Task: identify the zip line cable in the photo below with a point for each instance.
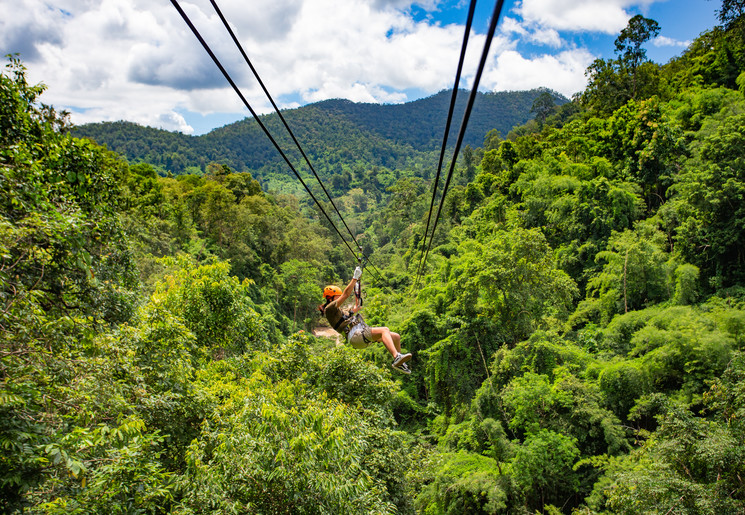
(466, 115)
(466, 34)
(284, 122)
(256, 117)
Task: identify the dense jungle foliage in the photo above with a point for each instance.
(578, 334)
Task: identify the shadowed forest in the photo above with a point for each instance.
(578, 331)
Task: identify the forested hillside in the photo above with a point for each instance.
(578, 332)
(337, 134)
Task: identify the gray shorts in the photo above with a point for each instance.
(360, 336)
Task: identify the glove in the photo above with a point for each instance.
(357, 273)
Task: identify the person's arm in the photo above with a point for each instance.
(357, 305)
(350, 287)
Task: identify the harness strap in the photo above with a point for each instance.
(352, 320)
(358, 286)
(358, 295)
(356, 322)
(339, 322)
(344, 318)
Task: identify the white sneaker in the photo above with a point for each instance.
(401, 359)
(403, 368)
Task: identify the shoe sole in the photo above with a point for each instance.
(403, 360)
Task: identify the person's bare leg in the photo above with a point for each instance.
(396, 340)
(383, 334)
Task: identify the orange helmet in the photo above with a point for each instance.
(331, 291)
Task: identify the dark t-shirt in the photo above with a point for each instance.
(333, 315)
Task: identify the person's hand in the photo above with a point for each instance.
(357, 273)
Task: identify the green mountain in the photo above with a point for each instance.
(334, 133)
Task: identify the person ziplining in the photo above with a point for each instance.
(359, 335)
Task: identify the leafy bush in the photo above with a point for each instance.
(215, 306)
(286, 446)
(465, 483)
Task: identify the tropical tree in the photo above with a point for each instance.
(299, 290)
(543, 469)
(636, 272)
(629, 45)
(710, 205)
(615, 81)
(543, 106)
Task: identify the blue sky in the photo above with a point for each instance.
(680, 20)
(136, 60)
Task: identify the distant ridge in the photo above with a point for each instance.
(334, 133)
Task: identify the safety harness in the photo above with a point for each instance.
(345, 317)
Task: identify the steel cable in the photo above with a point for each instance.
(284, 122)
(466, 115)
(466, 34)
(256, 117)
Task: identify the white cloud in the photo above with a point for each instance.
(24, 33)
(348, 48)
(663, 41)
(531, 32)
(174, 122)
(512, 26)
(264, 21)
(360, 49)
(355, 92)
(606, 16)
(428, 5)
(547, 37)
(563, 72)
